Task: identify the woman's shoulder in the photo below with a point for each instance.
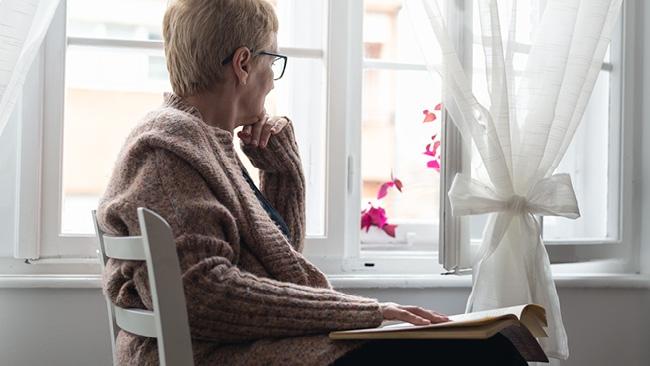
(171, 122)
(173, 132)
(170, 129)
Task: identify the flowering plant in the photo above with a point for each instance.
(433, 148)
(377, 215)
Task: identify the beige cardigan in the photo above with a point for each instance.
(252, 298)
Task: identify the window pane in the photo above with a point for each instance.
(129, 83)
(107, 92)
(387, 33)
(394, 138)
(301, 22)
(122, 19)
(586, 161)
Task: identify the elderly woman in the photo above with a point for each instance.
(252, 298)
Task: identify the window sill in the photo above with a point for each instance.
(562, 280)
(84, 273)
(25, 281)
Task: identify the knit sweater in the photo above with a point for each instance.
(252, 297)
(275, 216)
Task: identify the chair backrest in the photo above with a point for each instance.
(168, 320)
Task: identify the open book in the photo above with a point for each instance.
(520, 324)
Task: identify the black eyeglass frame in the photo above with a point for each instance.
(277, 56)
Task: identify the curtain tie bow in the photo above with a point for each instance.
(517, 204)
(551, 196)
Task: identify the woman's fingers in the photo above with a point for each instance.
(257, 131)
(433, 316)
(412, 314)
(245, 134)
(272, 127)
(267, 130)
(412, 318)
(393, 311)
(280, 123)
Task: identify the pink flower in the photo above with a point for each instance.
(373, 216)
(434, 164)
(428, 116)
(376, 216)
(366, 219)
(390, 229)
(432, 152)
(383, 189)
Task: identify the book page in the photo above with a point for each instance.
(460, 319)
(494, 313)
(482, 331)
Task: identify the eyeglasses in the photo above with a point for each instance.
(278, 64)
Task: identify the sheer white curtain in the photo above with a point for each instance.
(521, 135)
(23, 25)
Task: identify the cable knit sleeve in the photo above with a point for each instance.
(224, 303)
(282, 180)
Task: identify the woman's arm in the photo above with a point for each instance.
(282, 180)
(224, 303)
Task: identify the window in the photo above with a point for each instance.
(593, 158)
(391, 123)
(115, 72)
(397, 88)
(356, 87)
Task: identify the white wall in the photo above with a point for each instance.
(43, 327)
(68, 327)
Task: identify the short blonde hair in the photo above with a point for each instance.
(200, 34)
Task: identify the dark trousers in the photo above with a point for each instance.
(497, 351)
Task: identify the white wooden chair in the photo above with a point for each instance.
(168, 320)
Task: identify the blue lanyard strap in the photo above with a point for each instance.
(275, 215)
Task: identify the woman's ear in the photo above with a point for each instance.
(241, 64)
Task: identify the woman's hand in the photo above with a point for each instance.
(259, 133)
(411, 314)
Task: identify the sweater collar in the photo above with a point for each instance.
(177, 102)
(174, 101)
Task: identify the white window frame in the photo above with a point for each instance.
(338, 251)
(39, 238)
(617, 254)
(621, 173)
